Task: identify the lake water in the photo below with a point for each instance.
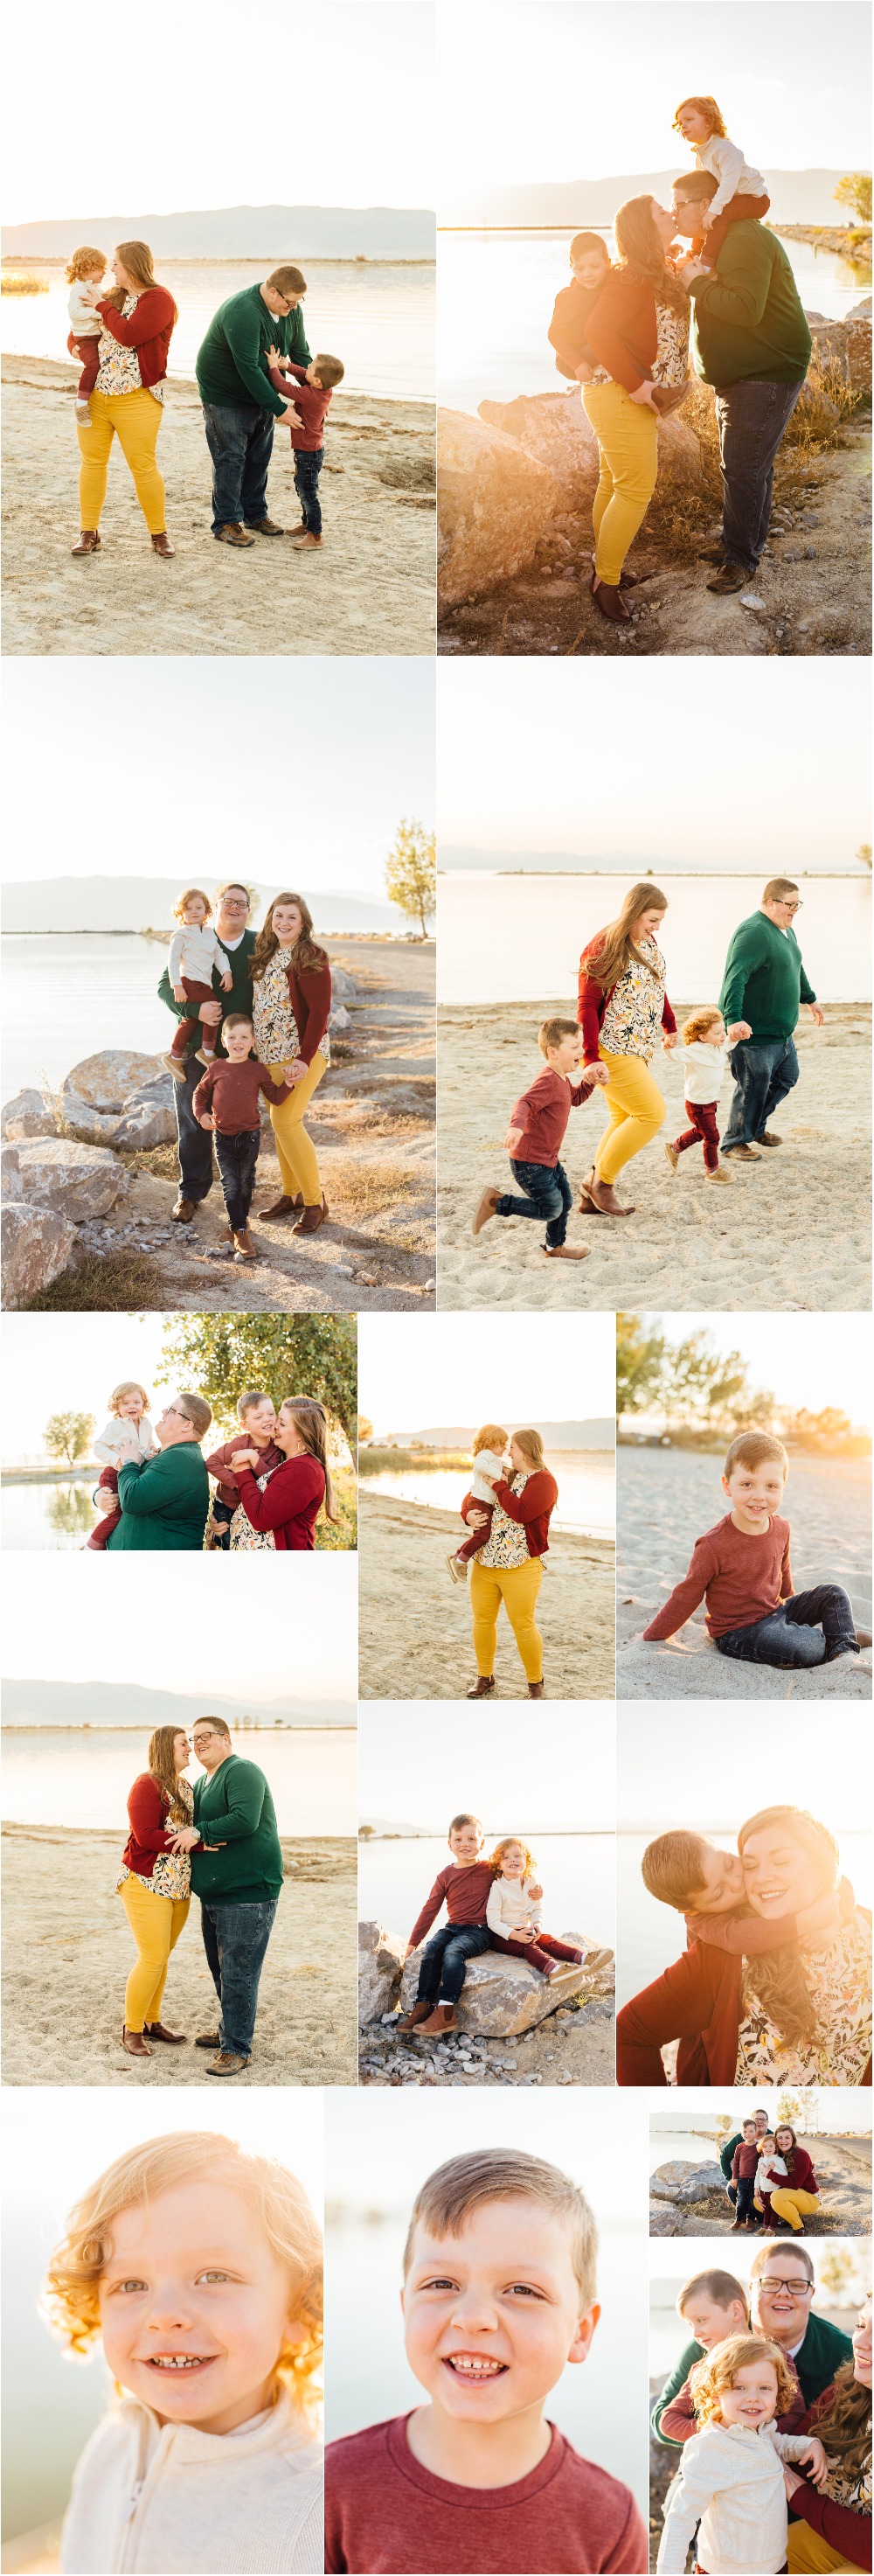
(379, 319)
(71, 1776)
(650, 1935)
(56, 1516)
(494, 307)
(518, 938)
(585, 1479)
(577, 1873)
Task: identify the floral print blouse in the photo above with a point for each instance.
(119, 369)
(672, 362)
(632, 1022)
(839, 1982)
(506, 1544)
(243, 1538)
(277, 1037)
(171, 1875)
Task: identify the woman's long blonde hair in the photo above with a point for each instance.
(532, 1447)
(776, 1981)
(845, 2428)
(642, 256)
(136, 257)
(162, 1767)
(306, 950)
(616, 947)
(312, 1423)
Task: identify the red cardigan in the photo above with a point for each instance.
(623, 330)
(309, 992)
(593, 1000)
(699, 2001)
(148, 330)
(849, 2534)
(533, 1507)
(290, 1503)
(801, 2177)
(149, 1834)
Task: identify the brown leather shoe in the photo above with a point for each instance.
(483, 1686)
(244, 1248)
(278, 1208)
(209, 2039)
(421, 2012)
(769, 1138)
(233, 534)
(441, 2019)
(311, 1219)
(610, 601)
(86, 544)
(183, 1211)
(161, 545)
(134, 2042)
(226, 2064)
(487, 1207)
(744, 1154)
(158, 2030)
(264, 527)
(600, 1196)
(535, 1690)
(566, 1251)
(305, 542)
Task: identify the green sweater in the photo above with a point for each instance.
(749, 322)
(235, 1809)
(238, 999)
(231, 363)
(764, 980)
(820, 2356)
(164, 1502)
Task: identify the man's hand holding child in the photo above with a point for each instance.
(739, 1029)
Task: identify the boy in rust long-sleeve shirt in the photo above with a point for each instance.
(464, 1889)
(310, 391)
(533, 1138)
(741, 1568)
(227, 1100)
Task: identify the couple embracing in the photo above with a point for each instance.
(218, 1841)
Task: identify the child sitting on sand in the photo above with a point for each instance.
(704, 1053)
(730, 2478)
(198, 2266)
(514, 1911)
(534, 1136)
(741, 195)
(195, 953)
(489, 1445)
(464, 1889)
(741, 1568)
(310, 391)
(126, 1440)
(227, 1101)
(84, 273)
(568, 335)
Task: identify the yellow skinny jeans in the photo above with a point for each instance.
(134, 419)
(636, 1112)
(807, 2552)
(156, 1922)
(517, 1586)
(628, 443)
(295, 1149)
(794, 2205)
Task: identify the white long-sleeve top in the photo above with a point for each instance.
(725, 162)
(123, 1443)
(194, 952)
(509, 1906)
(771, 2174)
(703, 1069)
(172, 2501)
(84, 321)
(730, 2479)
(486, 1459)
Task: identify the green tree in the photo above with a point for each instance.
(222, 1355)
(863, 854)
(365, 1428)
(706, 1389)
(411, 873)
(639, 1363)
(69, 1436)
(854, 190)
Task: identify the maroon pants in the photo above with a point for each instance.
(739, 210)
(538, 1953)
(477, 1538)
(89, 351)
(703, 1129)
(102, 1530)
(192, 1028)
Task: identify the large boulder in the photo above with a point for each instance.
(681, 2181)
(78, 1181)
(494, 503)
(343, 985)
(148, 1117)
(555, 432)
(11, 1183)
(842, 350)
(502, 1996)
(105, 1081)
(89, 1126)
(29, 1114)
(380, 1962)
(37, 1243)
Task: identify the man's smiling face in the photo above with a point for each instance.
(493, 2315)
(193, 2306)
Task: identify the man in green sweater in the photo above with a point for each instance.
(195, 1143)
(237, 1872)
(751, 342)
(239, 401)
(765, 984)
(165, 1500)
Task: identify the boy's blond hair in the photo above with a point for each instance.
(751, 1448)
(551, 1032)
(673, 1868)
(82, 262)
(71, 2291)
(455, 1823)
(711, 2378)
(253, 1395)
(193, 894)
(496, 1858)
(448, 2197)
(706, 106)
(489, 1436)
(695, 1026)
(128, 1386)
(719, 2286)
(330, 371)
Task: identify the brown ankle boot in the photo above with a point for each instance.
(421, 2012)
(86, 544)
(441, 2019)
(535, 1690)
(485, 1682)
(311, 1219)
(134, 2042)
(279, 1207)
(243, 1245)
(601, 1196)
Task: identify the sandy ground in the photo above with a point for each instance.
(369, 590)
(843, 2172)
(665, 1498)
(568, 2048)
(66, 1964)
(803, 1210)
(414, 1624)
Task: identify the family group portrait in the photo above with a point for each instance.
(640, 1064)
(797, 2167)
(179, 1879)
(658, 389)
(743, 1939)
(219, 1091)
(486, 1935)
(492, 1535)
(193, 374)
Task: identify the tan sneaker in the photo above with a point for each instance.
(457, 1570)
(225, 2064)
(721, 1174)
(233, 534)
(487, 1207)
(673, 1159)
(173, 1064)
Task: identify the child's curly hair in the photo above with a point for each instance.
(496, 1858)
(718, 2372)
(193, 894)
(706, 107)
(128, 1386)
(698, 1023)
(83, 262)
(71, 2290)
(489, 1436)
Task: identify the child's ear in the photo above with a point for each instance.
(585, 2329)
(725, 1485)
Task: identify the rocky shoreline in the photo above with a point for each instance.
(514, 2027)
(690, 2200)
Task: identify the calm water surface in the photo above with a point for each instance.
(378, 319)
(60, 1515)
(650, 1935)
(577, 1873)
(518, 938)
(73, 1776)
(585, 1480)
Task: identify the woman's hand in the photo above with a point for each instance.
(245, 1457)
(535, 1892)
(296, 1072)
(644, 394)
(596, 1073)
(477, 1520)
(584, 372)
(206, 1121)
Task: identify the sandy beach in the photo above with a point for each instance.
(414, 1630)
(803, 1211)
(370, 590)
(68, 1949)
(664, 1499)
(843, 2171)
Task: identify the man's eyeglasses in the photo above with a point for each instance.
(799, 2289)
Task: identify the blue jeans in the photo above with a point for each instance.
(240, 438)
(764, 1070)
(235, 1939)
(811, 1628)
(751, 418)
(443, 1963)
(195, 1142)
(307, 468)
(548, 1197)
(236, 1157)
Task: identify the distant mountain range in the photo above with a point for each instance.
(129, 1705)
(555, 1435)
(562, 863)
(137, 903)
(797, 197)
(240, 232)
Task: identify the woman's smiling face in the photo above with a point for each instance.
(647, 926)
(862, 2347)
(181, 1749)
(287, 923)
(193, 2306)
(492, 2315)
(780, 1876)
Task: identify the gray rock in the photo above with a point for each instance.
(681, 2181)
(380, 1961)
(339, 1019)
(37, 1246)
(78, 1181)
(661, 2219)
(29, 1114)
(494, 503)
(92, 1126)
(148, 1120)
(502, 1996)
(343, 985)
(12, 1183)
(106, 1080)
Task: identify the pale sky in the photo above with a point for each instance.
(555, 90)
(419, 1371)
(536, 758)
(853, 2112)
(802, 1359)
(70, 1363)
(339, 766)
(662, 1782)
(228, 87)
(377, 2151)
(496, 1779)
(165, 1630)
(669, 2261)
(98, 2126)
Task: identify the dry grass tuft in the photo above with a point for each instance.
(123, 1282)
(18, 282)
(361, 1190)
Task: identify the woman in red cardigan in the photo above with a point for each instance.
(154, 1883)
(291, 1003)
(127, 401)
(288, 1500)
(624, 1012)
(642, 313)
(797, 2196)
(833, 2525)
(509, 1566)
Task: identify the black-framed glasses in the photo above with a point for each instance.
(799, 2289)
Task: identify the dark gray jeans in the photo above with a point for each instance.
(751, 418)
(764, 1070)
(235, 1939)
